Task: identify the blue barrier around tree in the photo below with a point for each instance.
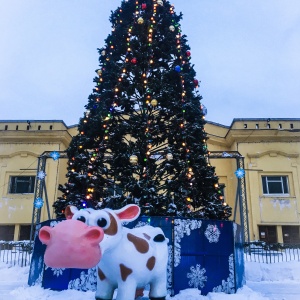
(203, 254)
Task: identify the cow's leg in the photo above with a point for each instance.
(139, 293)
(158, 288)
(105, 290)
(126, 290)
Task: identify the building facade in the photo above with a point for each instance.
(21, 143)
(270, 149)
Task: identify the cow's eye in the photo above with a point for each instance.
(101, 222)
(81, 219)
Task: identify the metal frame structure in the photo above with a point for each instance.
(241, 195)
(40, 190)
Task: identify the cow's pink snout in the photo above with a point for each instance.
(45, 235)
(94, 235)
(72, 244)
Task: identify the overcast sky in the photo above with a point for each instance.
(246, 55)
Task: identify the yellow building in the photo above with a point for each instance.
(269, 149)
(21, 143)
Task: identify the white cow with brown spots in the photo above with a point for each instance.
(131, 258)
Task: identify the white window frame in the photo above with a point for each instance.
(281, 181)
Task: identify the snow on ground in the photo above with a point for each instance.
(280, 281)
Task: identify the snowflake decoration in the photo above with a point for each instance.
(39, 280)
(141, 224)
(38, 202)
(54, 223)
(197, 277)
(36, 271)
(234, 229)
(41, 175)
(212, 233)
(86, 281)
(57, 271)
(227, 286)
(240, 173)
(181, 228)
(55, 155)
(170, 270)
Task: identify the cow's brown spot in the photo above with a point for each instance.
(113, 227)
(140, 244)
(101, 274)
(147, 236)
(151, 263)
(125, 272)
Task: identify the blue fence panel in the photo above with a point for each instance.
(203, 254)
(203, 249)
(37, 260)
(239, 258)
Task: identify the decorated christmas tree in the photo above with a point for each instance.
(142, 138)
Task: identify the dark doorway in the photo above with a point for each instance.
(268, 234)
(290, 234)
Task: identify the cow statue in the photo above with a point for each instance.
(128, 259)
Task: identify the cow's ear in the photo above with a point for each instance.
(128, 213)
(70, 211)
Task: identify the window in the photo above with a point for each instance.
(275, 184)
(24, 232)
(21, 184)
(7, 232)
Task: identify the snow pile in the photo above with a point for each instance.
(258, 276)
(285, 271)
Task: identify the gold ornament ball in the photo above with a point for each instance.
(154, 102)
(140, 20)
(99, 72)
(172, 28)
(133, 159)
(169, 156)
(160, 2)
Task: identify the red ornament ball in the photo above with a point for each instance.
(144, 5)
(188, 53)
(134, 61)
(196, 82)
